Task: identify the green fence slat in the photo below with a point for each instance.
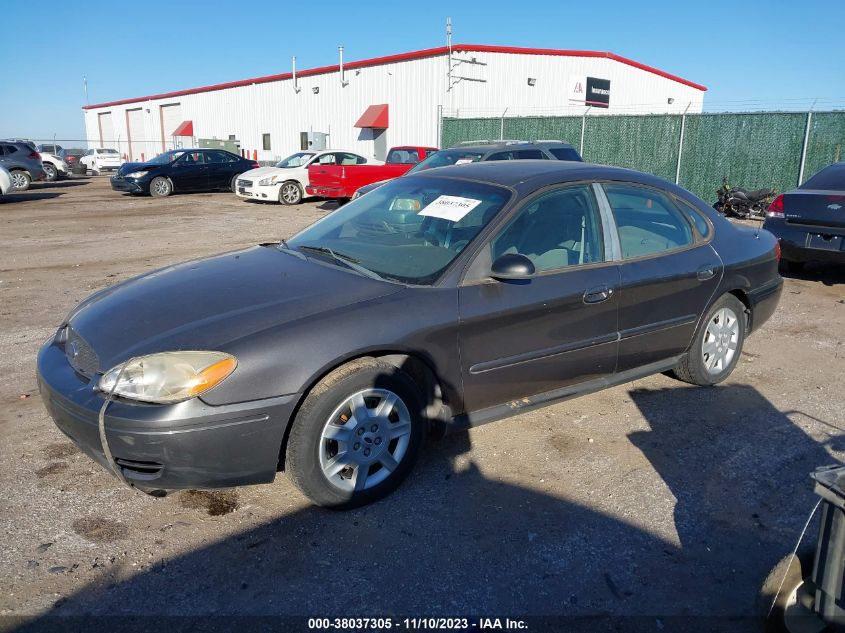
(754, 150)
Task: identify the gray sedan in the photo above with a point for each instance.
(437, 302)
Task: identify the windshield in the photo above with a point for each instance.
(107, 151)
(446, 157)
(164, 159)
(408, 230)
(295, 160)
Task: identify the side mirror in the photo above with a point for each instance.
(512, 266)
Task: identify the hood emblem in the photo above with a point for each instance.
(834, 207)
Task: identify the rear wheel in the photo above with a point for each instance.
(50, 172)
(356, 436)
(160, 187)
(21, 180)
(290, 193)
(717, 345)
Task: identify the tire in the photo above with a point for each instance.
(290, 193)
(234, 184)
(161, 187)
(715, 352)
(51, 174)
(386, 445)
(778, 592)
(791, 267)
(21, 180)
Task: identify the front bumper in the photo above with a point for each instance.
(119, 183)
(188, 444)
(256, 191)
(804, 242)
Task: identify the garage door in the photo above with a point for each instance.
(171, 117)
(106, 130)
(137, 138)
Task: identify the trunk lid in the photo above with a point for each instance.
(815, 207)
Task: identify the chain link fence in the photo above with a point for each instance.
(754, 150)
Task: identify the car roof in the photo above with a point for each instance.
(489, 146)
(537, 173)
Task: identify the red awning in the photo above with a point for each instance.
(374, 116)
(186, 128)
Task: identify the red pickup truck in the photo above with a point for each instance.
(342, 181)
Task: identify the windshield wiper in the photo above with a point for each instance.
(350, 262)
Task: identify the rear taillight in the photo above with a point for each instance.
(776, 208)
(255, 165)
(35, 155)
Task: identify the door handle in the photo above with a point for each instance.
(706, 272)
(597, 294)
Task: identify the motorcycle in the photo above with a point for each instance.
(741, 203)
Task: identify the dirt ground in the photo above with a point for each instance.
(650, 499)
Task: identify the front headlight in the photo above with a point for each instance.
(168, 376)
(137, 174)
(266, 182)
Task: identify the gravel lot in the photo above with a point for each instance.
(653, 498)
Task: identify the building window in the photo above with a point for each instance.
(266, 139)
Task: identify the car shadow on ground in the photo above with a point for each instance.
(452, 541)
(24, 196)
(827, 273)
(330, 205)
(59, 184)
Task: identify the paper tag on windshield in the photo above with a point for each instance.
(452, 208)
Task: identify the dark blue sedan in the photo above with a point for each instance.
(182, 170)
(809, 222)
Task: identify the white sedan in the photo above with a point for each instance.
(285, 182)
(6, 185)
(101, 159)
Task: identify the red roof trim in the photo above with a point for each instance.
(401, 57)
(375, 116)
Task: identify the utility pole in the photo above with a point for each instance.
(85, 84)
(449, 46)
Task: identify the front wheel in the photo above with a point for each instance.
(717, 345)
(356, 436)
(290, 193)
(21, 180)
(50, 172)
(160, 187)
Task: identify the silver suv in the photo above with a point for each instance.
(23, 163)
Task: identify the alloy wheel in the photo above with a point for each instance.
(365, 439)
(18, 180)
(161, 187)
(721, 339)
(290, 193)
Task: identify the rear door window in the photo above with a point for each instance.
(648, 221)
(564, 153)
(529, 154)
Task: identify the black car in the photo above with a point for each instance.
(445, 299)
(809, 221)
(182, 170)
(72, 158)
(478, 151)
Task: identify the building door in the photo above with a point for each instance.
(137, 137)
(171, 117)
(106, 126)
(380, 144)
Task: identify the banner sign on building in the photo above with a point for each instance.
(589, 91)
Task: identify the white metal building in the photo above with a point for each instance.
(370, 105)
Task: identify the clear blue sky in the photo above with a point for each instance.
(751, 55)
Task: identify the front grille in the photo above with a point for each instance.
(138, 467)
(80, 354)
(244, 183)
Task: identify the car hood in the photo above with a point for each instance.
(128, 168)
(262, 172)
(211, 303)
